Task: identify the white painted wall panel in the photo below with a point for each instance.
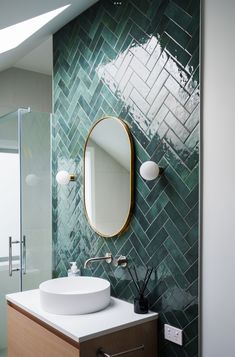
(218, 257)
(21, 88)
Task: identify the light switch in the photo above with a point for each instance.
(173, 334)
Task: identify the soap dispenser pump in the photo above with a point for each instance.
(74, 271)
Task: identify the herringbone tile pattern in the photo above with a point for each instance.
(138, 61)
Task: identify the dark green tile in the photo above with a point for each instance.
(176, 254)
(178, 14)
(176, 218)
(157, 223)
(176, 235)
(192, 347)
(193, 43)
(192, 180)
(178, 52)
(139, 17)
(181, 318)
(176, 273)
(180, 204)
(192, 273)
(163, 231)
(157, 241)
(192, 217)
(178, 34)
(157, 207)
(177, 183)
(191, 330)
(192, 198)
(137, 32)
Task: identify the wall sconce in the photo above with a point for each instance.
(149, 170)
(32, 180)
(63, 177)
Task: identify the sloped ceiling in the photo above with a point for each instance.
(15, 11)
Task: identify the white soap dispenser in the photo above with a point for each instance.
(74, 271)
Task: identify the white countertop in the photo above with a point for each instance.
(118, 315)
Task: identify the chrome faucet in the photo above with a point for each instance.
(108, 258)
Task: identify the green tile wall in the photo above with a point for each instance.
(138, 61)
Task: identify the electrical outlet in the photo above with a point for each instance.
(173, 334)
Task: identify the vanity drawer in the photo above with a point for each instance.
(28, 338)
(127, 339)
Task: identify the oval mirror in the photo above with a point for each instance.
(108, 176)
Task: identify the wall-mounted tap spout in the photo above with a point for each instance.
(108, 258)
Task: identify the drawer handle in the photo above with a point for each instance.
(101, 353)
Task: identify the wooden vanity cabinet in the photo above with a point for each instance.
(28, 336)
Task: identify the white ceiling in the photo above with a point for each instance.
(35, 54)
(40, 59)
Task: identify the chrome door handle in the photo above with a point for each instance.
(24, 254)
(10, 255)
(101, 353)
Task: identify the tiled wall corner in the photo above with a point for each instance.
(138, 61)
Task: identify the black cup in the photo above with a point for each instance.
(141, 305)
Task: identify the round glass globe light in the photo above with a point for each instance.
(31, 180)
(63, 177)
(149, 170)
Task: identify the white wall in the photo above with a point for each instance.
(9, 202)
(21, 88)
(218, 241)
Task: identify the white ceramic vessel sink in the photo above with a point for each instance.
(74, 295)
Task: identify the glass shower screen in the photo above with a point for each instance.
(35, 161)
(25, 205)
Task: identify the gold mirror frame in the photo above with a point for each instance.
(129, 136)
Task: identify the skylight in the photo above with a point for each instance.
(13, 36)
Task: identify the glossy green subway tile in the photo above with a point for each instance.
(132, 38)
(192, 217)
(176, 235)
(180, 204)
(169, 315)
(192, 273)
(157, 256)
(178, 14)
(180, 36)
(177, 164)
(184, 4)
(137, 32)
(193, 43)
(192, 347)
(193, 62)
(154, 194)
(194, 24)
(141, 217)
(181, 317)
(177, 72)
(192, 198)
(192, 253)
(176, 218)
(176, 254)
(176, 182)
(182, 56)
(158, 205)
(192, 159)
(190, 330)
(177, 127)
(176, 273)
(140, 18)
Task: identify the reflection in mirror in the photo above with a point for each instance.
(108, 186)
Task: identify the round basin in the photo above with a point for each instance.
(74, 295)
